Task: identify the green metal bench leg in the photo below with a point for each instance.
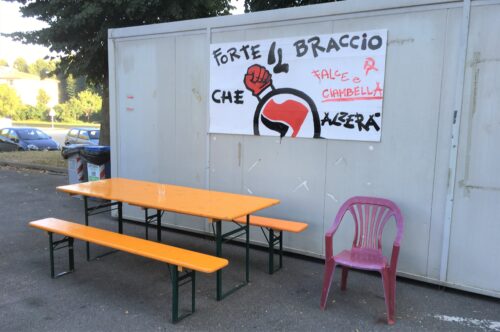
(281, 249)
(272, 240)
(56, 245)
(271, 251)
(175, 295)
(176, 283)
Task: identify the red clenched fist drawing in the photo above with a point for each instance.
(257, 79)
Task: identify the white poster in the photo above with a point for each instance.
(324, 86)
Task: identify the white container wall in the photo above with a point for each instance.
(442, 70)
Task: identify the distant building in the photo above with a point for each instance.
(27, 85)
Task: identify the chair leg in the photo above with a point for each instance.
(327, 282)
(389, 282)
(343, 282)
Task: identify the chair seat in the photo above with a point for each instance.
(362, 258)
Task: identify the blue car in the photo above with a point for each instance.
(28, 138)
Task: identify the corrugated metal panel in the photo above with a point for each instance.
(164, 137)
(474, 245)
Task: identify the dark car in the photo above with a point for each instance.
(82, 136)
(6, 145)
(28, 138)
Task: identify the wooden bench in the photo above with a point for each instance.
(274, 225)
(177, 258)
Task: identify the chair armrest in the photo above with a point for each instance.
(333, 228)
(394, 258)
(329, 238)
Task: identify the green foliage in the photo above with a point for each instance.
(42, 99)
(41, 110)
(3, 62)
(38, 112)
(26, 112)
(90, 103)
(10, 103)
(86, 106)
(68, 111)
(258, 5)
(42, 68)
(70, 87)
(21, 65)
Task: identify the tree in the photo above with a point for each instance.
(21, 65)
(3, 62)
(78, 31)
(40, 111)
(69, 111)
(258, 5)
(10, 102)
(70, 87)
(42, 68)
(91, 103)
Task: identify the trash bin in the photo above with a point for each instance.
(77, 166)
(98, 161)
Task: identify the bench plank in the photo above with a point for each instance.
(161, 252)
(276, 224)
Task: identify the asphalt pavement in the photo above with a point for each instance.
(123, 292)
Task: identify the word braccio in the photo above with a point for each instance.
(314, 44)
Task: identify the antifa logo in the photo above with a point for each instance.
(286, 111)
(280, 117)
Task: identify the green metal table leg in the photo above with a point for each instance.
(218, 253)
(87, 245)
(146, 220)
(71, 254)
(247, 239)
(120, 218)
(158, 225)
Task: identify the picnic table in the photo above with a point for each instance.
(214, 205)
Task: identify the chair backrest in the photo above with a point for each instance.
(370, 215)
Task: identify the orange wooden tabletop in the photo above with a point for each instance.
(165, 197)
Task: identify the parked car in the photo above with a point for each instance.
(6, 145)
(28, 138)
(82, 136)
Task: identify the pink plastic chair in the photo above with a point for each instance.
(370, 215)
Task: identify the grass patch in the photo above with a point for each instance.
(45, 158)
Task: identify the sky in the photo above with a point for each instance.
(11, 20)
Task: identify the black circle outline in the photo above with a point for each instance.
(263, 101)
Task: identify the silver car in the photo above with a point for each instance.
(82, 136)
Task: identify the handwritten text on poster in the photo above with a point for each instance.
(325, 86)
